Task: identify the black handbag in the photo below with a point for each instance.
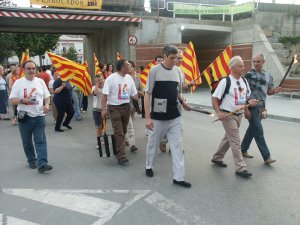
(22, 116)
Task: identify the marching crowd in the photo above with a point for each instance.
(119, 95)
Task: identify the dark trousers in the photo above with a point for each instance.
(84, 103)
(62, 108)
(119, 116)
(143, 107)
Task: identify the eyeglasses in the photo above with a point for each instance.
(239, 85)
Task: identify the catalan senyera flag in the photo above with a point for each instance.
(25, 57)
(190, 66)
(219, 67)
(69, 70)
(97, 68)
(83, 81)
(119, 56)
(145, 73)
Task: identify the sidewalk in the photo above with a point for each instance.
(279, 107)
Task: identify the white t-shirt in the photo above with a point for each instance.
(237, 96)
(119, 89)
(36, 90)
(51, 82)
(97, 99)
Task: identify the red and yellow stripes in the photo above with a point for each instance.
(190, 66)
(219, 67)
(145, 73)
(25, 57)
(68, 70)
(119, 56)
(97, 68)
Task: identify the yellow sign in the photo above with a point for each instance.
(78, 4)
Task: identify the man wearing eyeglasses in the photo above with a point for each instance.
(31, 95)
(235, 102)
(261, 85)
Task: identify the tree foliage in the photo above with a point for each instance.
(37, 44)
(7, 46)
(72, 54)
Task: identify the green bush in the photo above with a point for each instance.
(289, 40)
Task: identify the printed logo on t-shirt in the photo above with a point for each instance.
(31, 95)
(240, 96)
(123, 92)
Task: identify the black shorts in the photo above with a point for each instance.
(97, 119)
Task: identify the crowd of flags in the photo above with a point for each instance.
(79, 74)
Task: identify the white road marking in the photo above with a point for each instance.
(173, 210)
(8, 220)
(78, 202)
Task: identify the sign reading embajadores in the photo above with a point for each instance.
(193, 9)
(78, 4)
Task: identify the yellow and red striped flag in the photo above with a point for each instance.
(68, 70)
(190, 66)
(145, 73)
(25, 57)
(97, 68)
(219, 67)
(119, 56)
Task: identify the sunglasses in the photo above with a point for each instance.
(239, 85)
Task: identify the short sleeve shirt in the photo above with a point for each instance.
(119, 89)
(35, 90)
(237, 95)
(259, 84)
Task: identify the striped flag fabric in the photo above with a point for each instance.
(219, 67)
(190, 66)
(144, 74)
(119, 56)
(68, 70)
(25, 57)
(97, 68)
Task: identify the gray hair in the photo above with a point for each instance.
(170, 49)
(234, 60)
(261, 56)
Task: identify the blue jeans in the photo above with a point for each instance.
(77, 100)
(255, 130)
(34, 126)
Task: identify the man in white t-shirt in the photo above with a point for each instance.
(235, 102)
(117, 90)
(31, 95)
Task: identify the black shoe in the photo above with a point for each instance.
(219, 163)
(182, 183)
(67, 126)
(244, 174)
(32, 165)
(149, 172)
(59, 130)
(133, 148)
(122, 161)
(45, 168)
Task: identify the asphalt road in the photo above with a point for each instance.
(85, 189)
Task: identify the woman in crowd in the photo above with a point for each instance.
(63, 101)
(109, 70)
(3, 96)
(14, 76)
(51, 82)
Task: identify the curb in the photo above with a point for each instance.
(270, 116)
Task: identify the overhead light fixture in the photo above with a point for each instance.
(182, 28)
(147, 6)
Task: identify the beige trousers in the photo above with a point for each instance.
(231, 139)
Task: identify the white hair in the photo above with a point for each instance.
(234, 60)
